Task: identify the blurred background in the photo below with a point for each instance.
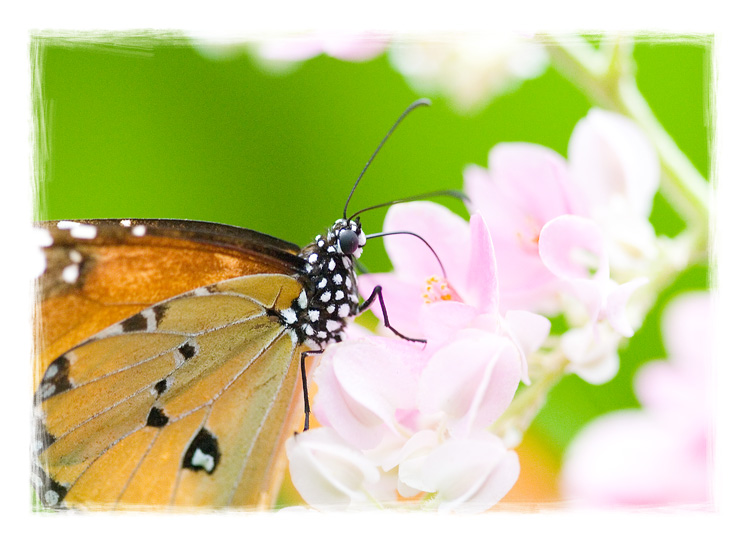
(150, 126)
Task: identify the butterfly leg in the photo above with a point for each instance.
(378, 292)
(304, 385)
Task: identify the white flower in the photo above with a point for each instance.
(469, 69)
(467, 475)
(328, 473)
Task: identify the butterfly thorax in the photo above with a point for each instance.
(330, 294)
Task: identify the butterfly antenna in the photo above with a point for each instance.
(444, 193)
(412, 106)
(378, 235)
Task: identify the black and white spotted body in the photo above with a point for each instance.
(319, 315)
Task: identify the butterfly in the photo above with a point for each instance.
(168, 356)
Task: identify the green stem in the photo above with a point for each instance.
(607, 78)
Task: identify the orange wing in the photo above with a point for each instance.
(102, 271)
(187, 401)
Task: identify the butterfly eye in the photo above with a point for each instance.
(348, 241)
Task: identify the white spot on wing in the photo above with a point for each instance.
(51, 497)
(150, 316)
(331, 265)
(66, 224)
(70, 273)
(139, 230)
(201, 291)
(302, 299)
(47, 390)
(201, 459)
(42, 237)
(309, 329)
(109, 332)
(339, 295)
(326, 297)
(323, 283)
(75, 256)
(313, 258)
(83, 231)
(125, 223)
(314, 315)
(51, 371)
(337, 279)
(344, 310)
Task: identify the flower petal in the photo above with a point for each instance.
(361, 384)
(442, 319)
(403, 301)
(592, 352)
(573, 247)
(609, 155)
(528, 330)
(353, 46)
(482, 288)
(615, 306)
(410, 461)
(471, 380)
(629, 458)
(446, 232)
(328, 473)
(470, 475)
(687, 332)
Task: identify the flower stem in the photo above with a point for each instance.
(607, 77)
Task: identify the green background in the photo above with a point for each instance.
(149, 127)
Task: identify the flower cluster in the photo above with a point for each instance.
(573, 237)
(468, 69)
(547, 237)
(416, 415)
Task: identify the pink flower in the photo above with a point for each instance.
(467, 475)
(364, 385)
(411, 406)
(413, 263)
(525, 186)
(574, 250)
(470, 296)
(345, 46)
(658, 455)
(470, 381)
(611, 159)
(617, 170)
(328, 473)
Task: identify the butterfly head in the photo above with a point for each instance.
(349, 237)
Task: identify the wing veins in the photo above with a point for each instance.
(236, 484)
(137, 467)
(102, 453)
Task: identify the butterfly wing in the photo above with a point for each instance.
(103, 271)
(185, 402)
